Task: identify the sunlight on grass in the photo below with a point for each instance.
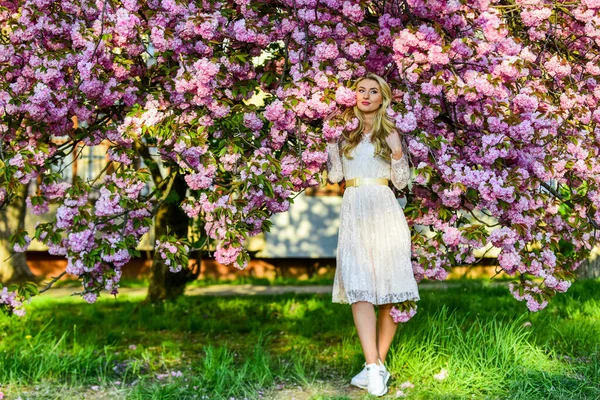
(301, 345)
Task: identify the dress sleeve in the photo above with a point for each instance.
(334, 163)
(400, 173)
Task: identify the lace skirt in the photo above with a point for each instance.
(373, 255)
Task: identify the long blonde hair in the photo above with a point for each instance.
(382, 123)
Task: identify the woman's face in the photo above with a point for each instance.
(368, 96)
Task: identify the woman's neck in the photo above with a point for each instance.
(368, 122)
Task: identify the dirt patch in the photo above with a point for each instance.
(213, 290)
(54, 392)
(320, 391)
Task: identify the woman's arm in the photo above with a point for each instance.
(400, 173)
(334, 163)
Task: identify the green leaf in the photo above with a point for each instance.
(31, 288)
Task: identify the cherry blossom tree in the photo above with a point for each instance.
(497, 100)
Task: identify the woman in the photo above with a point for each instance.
(373, 259)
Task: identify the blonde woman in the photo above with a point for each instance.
(373, 256)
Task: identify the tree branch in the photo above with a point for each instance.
(53, 281)
(559, 196)
(287, 60)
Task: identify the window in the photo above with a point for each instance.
(90, 161)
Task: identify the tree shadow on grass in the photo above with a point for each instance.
(308, 316)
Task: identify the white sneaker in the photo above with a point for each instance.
(386, 373)
(360, 379)
(375, 380)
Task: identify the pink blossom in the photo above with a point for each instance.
(227, 254)
(557, 68)
(80, 241)
(90, 297)
(452, 236)
(289, 164)
(326, 51)
(108, 203)
(525, 103)
(353, 11)
(253, 122)
(534, 17)
(201, 179)
(345, 96)
(504, 237)
(314, 157)
(437, 56)
(406, 123)
(229, 161)
(18, 248)
(55, 190)
(592, 4)
(11, 302)
(549, 257)
(119, 257)
(39, 208)
(355, 50)
(509, 261)
(171, 254)
(562, 286)
(440, 376)
(332, 131)
(407, 385)
(119, 156)
(403, 315)
(274, 111)
(534, 305)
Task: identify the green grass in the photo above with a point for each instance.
(269, 346)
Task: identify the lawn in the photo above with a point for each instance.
(302, 347)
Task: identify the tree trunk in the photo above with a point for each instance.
(13, 266)
(589, 269)
(164, 284)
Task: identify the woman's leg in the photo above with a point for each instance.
(386, 329)
(366, 322)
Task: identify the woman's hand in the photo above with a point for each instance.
(328, 118)
(393, 140)
(332, 115)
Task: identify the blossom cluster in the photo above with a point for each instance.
(10, 303)
(403, 312)
(174, 253)
(99, 239)
(498, 158)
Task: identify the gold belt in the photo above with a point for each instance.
(366, 182)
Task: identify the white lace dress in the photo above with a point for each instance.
(373, 255)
